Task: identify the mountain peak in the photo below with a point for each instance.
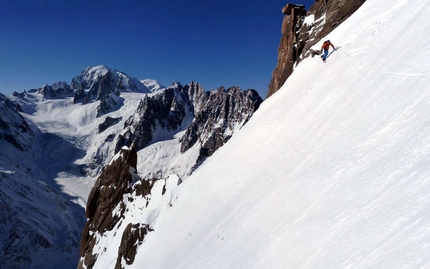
(102, 83)
(98, 70)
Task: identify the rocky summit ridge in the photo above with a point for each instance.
(207, 118)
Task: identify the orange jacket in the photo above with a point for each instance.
(327, 45)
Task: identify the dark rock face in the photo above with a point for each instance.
(132, 236)
(287, 51)
(215, 120)
(13, 127)
(297, 37)
(165, 110)
(106, 105)
(58, 90)
(114, 181)
(117, 185)
(212, 116)
(108, 123)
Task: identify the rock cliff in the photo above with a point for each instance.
(118, 193)
(105, 197)
(299, 34)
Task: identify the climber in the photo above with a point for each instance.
(325, 47)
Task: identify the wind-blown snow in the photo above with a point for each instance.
(309, 20)
(152, 85)
(333, 171)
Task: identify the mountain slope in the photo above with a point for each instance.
(40, 226)
(339, 174)
(53, 146)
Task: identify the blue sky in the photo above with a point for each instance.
(217, 43)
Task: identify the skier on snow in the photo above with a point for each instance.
(325, 47)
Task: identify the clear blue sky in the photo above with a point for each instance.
(217, 43)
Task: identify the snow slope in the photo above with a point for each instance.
(339, 172)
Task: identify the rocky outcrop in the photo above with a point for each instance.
(13, 127)
(165, 110)
(121, 205)
(287, 51)
(301, 30)
(218, 114)
(132, 237)
(108, 123)
(105, 196)
(58, 90)
(112, 196)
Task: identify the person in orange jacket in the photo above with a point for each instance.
(325, 47)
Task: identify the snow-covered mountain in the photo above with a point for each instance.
(97, 81)
(54, 147)
(40, 226)
(332, 171)
(152, 85)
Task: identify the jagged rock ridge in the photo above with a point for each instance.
(301, 30)
(217, 115)
(212, 116)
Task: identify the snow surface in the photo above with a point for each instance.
(333, 171)
(309, 20)
(152, 84)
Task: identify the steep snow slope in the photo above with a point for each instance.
(339, 176)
